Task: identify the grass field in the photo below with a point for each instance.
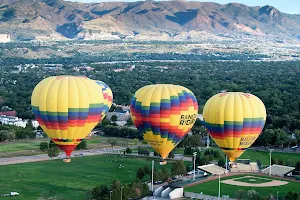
(26, 145)
(69, 181)
(255, 180)
(264, 156)
(211, 187)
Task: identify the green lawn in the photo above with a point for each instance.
(264, 156)
(20, 145)
(254, 180)
(69, 180)
(211, 188)
(26, 145)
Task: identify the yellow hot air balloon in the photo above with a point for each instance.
(164, 114)
(234, 120)
(107, 95)
(67, 109)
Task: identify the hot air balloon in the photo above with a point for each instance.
(67, 109)
(108, 97)
(234, 120)
(164, 114)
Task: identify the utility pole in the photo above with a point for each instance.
(194, 154)
(226, 165)
(110, 195)
(270, 171)
(219, 194)
(207, 141)
(121, 192)
(152, 178)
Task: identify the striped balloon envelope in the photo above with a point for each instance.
(164, 114)
(234, 120)
(107, 95)
(67, 109)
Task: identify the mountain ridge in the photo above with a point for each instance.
(60, 20)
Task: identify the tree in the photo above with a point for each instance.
(52, 144)
(292, 196)
(29, 125)
(100, 192)
(221, 162)
(178, 168)
(297, 134)
(259, 163)
(200, 160)
(165, 174)
(252, 195)
(209, 158)
(118, 109)
(188, 151)
(53, 152)
(156, 176)
(290, 163)
(280, 161)
(267, 137)
(128, 150)
(199, 130)
(82, 145)
(24, 133)
(113, 142)
(156, 154)
(192, 141)
(105, 122)
(297, 167)
(114, 118)
(147, 170)
(143, 151)
(6, 135)
(44, 146)
(140, 173)
(281, 138)
(129, 122)
(171, 155)
(135, 141)
(112, 108)
(240, 194)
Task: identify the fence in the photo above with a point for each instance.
(204, 196)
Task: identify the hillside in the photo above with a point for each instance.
(59, 20)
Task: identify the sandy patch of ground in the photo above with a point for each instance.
(235, 181)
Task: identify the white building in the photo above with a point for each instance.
(10, 120)
(4, 38)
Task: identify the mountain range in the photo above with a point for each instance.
(161, 20)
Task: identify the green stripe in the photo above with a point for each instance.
(256, 119)
(174, 97)
(95, 105)
(154, 104)
(145, 107)
(78, 109)
(165, 101)
(36, 108)
(233, 123)
(54, 113)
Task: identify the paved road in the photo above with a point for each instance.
(284, 150)
(42, 157)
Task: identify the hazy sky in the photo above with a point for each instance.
(287, 6)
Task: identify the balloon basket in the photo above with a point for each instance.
(163, 162)
(67, 160)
